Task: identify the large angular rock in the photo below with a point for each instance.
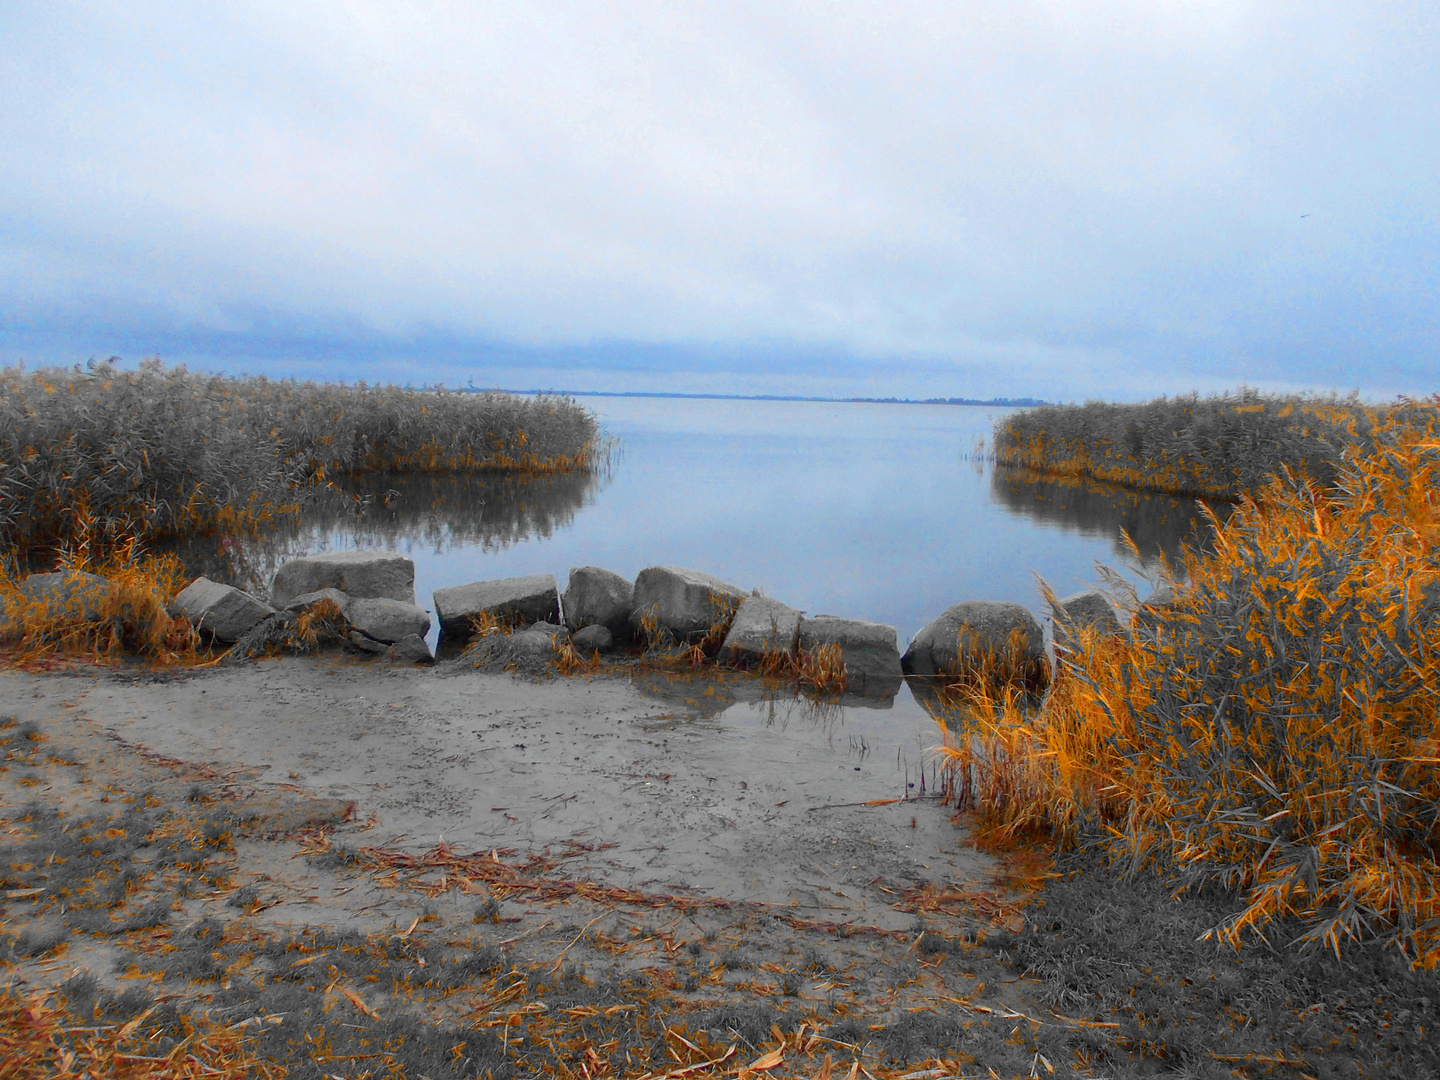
(940, 649)
(1093, 607)
(868, 648)
(68, 593)
(687, 603)
(223, 611)
(596, 597)
(529, 599)
(387, 621)
(384, 575)
(761, 625)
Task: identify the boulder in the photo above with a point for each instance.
(387, 620)
(528, 599)
(1093, 607)
(592, 639)
(867, 648)
(223, 611)
(305, 600)
(938, 649)
(72, 593)
(596, 597)
(687, 603)
(410, 649)
(761, 625)
(535, 642)
(382, 575)
(367, 644)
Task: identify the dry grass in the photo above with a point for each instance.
(821, 669)
(41, 1039)
(1275, 734)
(127, 618)
(1218, 447)
(162, 452)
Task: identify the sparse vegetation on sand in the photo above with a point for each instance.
(162, 452)
(1218, 447)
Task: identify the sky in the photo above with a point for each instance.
(1064, 199)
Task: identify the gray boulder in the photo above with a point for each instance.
(367, 644)
(387, 620)
(592, 639)
(410, 649)
(938, 649)
(305, 600)
(761, 625)
(223, 611)
(684, 602)
(868, 648)
(528, 599)
(536, 642)
(596, 597)
(70, 593)
(385, 575)
(1093, 607)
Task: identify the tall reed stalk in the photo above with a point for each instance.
(1276, 732)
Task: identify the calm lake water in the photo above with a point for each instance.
(882, 512)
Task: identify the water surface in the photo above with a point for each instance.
(883, 512)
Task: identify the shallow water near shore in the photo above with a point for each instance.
(883, 512)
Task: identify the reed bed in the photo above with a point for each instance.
(162, 452)
(1220, 447)
(1274, 734)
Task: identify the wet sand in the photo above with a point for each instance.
(632, 829)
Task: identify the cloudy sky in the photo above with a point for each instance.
(1063, 199)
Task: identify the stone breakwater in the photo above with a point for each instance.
(374, 593)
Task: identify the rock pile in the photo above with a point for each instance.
(373, 592)
(370, 598)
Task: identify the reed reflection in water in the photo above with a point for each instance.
(1160, 525)
(402, 512)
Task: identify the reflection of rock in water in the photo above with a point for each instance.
(385, 510)
(710, 693)
(1159, 524)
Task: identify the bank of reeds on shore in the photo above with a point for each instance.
(1223, 446)
(1276, 733)
(107, 454)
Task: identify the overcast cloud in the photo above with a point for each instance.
(1063, 199)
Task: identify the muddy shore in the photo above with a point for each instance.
(627, 829)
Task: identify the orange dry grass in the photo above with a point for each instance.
(822, 667)
(1276, 733)
(41, 1040)
(131, 614)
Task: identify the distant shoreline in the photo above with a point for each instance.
(1018, 403)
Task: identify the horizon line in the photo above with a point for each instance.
(1025, 402)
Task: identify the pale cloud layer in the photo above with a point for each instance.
(1054, 198)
